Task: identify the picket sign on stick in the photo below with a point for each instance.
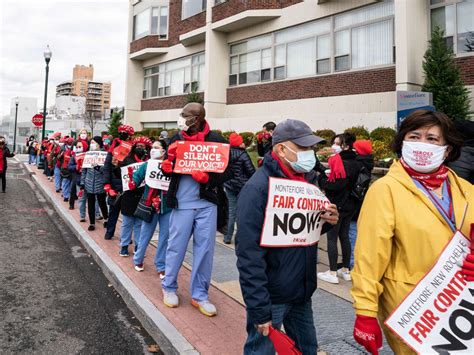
(154, 176)
(126, 178)
(204, 156)
(122, 150)
(293, 214)
(94, 158)
(437, 317)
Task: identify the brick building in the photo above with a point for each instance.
(97, 93)
(332, 63)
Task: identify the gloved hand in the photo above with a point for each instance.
(167, 167)
(172, 151)
(109, 190)
(156, 203)
(468, 264)
(200, 176)
(131, 184)
(81, 192)
(367, 332)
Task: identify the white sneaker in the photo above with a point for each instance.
(170, 299)
(345, 274)
(328, 276)
(205, 307)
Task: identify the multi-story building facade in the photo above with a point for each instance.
(332, 63)
(97, 93)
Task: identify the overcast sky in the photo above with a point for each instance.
(77, 31)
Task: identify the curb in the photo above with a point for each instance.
(170, 340)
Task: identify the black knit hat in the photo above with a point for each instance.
(98, 140)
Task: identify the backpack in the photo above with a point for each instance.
(361, 185)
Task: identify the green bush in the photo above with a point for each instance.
(327, 134)
(226, 134)
(384, 134)
(382, 150)
(248, 138)
(359, 131)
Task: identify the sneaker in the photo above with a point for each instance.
(82, 220)
(108, 237)
(227, 241)
(170, 299)
(66, 199)
(205, 307)
(91, 227)
(161, 274)
(124, 251)
(328, 276)
(100, 218)
(139, 267)
(344, 273)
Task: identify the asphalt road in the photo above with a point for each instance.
(54, 298)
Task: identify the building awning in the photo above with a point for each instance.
(148, 53)
(246, 19)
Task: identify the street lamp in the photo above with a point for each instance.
(16, 117)
(47, 57)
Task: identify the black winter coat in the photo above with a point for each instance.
(112, 174)
(130, 198)
(207, 191)
(6, 154)
(264, 148)
(242, 169)
(339, 191)
(270, 275)
(368, 162)
(464, 166)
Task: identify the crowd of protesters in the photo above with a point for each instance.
(413, 199)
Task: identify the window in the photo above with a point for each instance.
(165, 125)
(192, 7)
(217, 2)
(361, 38)
(456, 19)
(176, 77)
(152, 21)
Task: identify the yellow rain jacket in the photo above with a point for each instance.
(400, 236)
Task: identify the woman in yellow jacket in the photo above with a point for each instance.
(406, 220)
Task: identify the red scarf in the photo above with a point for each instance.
(430, 181)
(286, 171)
(337, 168)
(2, 152)
(199, 136)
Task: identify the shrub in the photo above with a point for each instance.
(248, 138)
(359, 131)
(382, 150)
(327, 134)
(384, 134)
(226, 134)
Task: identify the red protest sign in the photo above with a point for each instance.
(122, 150)
(204, 156)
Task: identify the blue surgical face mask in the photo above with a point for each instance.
(305, 161)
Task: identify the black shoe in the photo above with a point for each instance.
(66, 199)
(108, 237)
(227, 241)
(57, 191)
(71, 207)
(82, 220)
(100, 218)
(91, 227)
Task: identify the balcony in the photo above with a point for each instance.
(192, 37)
(245, 19)
(148, 47)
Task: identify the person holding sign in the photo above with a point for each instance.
(280, 217)
(195, 201)
(92, 181)
(406, 220)
(155, 195)
(130, 198)
(125, 134)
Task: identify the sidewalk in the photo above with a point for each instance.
(184, 330)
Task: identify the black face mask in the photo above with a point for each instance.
(140, 152)
(123, 136)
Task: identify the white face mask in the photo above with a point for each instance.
(156, 153)
(83, 136)
(423, 157)
(57, 142)
(182, 124)
(94, 146)
(77, 150)
(336, 148)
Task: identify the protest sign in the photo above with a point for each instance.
(126, 178)
(79, 157)
(204, 156)
(121, 151)
(94, 158)
(437, 317)
(293, 214)
(154, 176)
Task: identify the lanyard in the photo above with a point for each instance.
(445, 213)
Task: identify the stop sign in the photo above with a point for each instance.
(37, 120)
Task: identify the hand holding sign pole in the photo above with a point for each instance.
(468, 264)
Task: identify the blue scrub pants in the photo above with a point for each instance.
(130, 224)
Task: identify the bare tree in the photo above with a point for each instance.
(91, 117)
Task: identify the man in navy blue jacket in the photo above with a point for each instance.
(278, 282)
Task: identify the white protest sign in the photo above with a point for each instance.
(94, 158)
(437, 317)
(154, 176)
(293, 214)
(126, 178)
